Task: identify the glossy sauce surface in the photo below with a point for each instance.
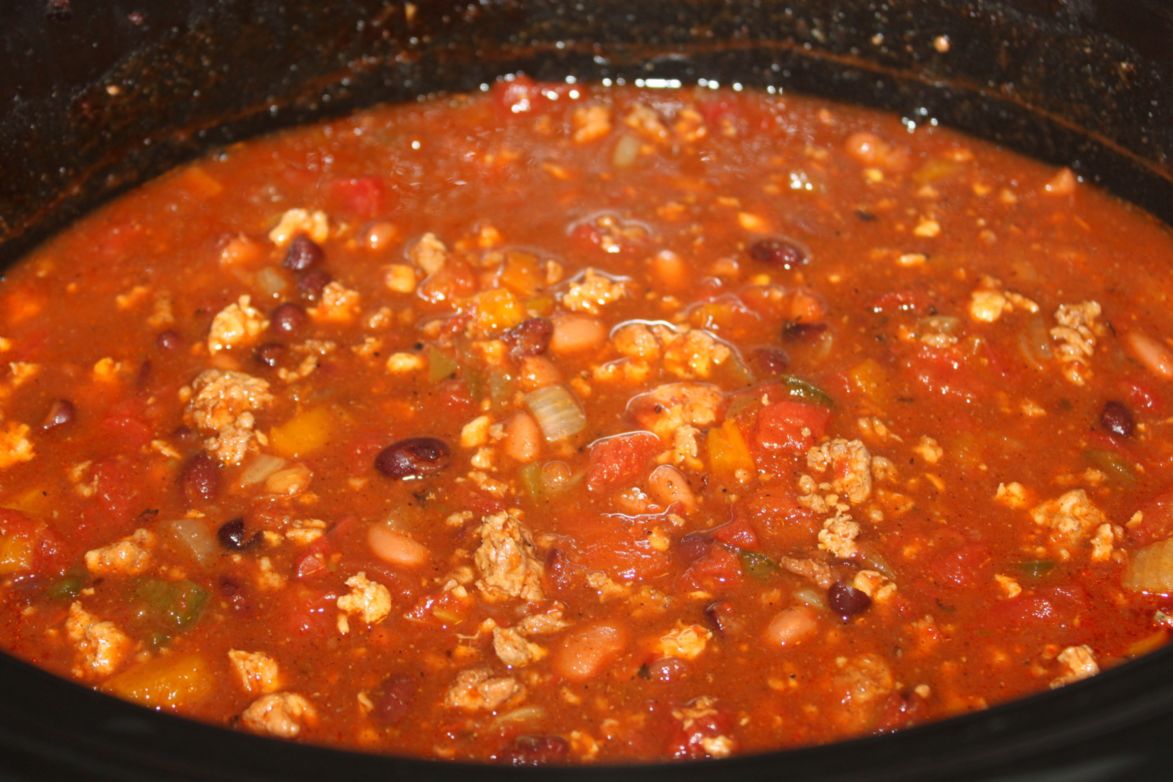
(559, 424)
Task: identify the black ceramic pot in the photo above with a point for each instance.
(98, 96)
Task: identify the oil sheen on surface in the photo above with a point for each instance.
(558, 424)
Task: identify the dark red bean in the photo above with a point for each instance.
(770, 361)
(393, 698)
(536, 751)
(792, 332)
(558, 570)
(412, 458)
(200, 479)
(303, 253)
(311, 284)
(269, 354)
(667, 669)
(530, 337)
(719, 615)
(1117, 419)
(233, 593)
(778, 252)
(846, 600)
(288, 318)
(167, 340)
(61, 413)
(694, 545)
(234, 537)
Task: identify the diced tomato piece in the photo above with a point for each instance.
(1044, 611)
(116, 488)
(1156, 520)
(689, 742)
(619, 547)
(308, 611)
(126, 428)
(965, 567)
(620, 458)
(718, 567)
(454, 396)
(365, 197)
(774, 512)
(738, 533)
(790, 426)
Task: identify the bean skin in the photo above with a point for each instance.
(233, 536)
(303, 253)
(529, 750)
(200, 479)
(288, 318)
(269, 354)
(530, 337)
(1117, 419)
(393, 698)
(778, 252)
(412, 458)
(312, 283)
(846, 600)
(61, 413)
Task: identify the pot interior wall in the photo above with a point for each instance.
(104, 96)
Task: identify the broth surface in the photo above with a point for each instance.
(562, 424)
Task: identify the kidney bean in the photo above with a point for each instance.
(233, 593)
(233, 536)
(61, 412)
(778, 252)
(200, 479)
(288, 318)
(269, 354)
(303, 253)
(412, 458)
(694, 545)
(167, 340)
(530, 337)
(393, 698)
(846, 600)
(1117, 419)
(722, 617)
(664, 670)
(311, 284)
(536, 751)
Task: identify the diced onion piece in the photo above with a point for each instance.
(1151, 569)
(1034, 343)
(556, 411)
(395, 548)
(1157, 358)
(193, 536)
(811, 598)
(518, 716)
(260, 468)
(270, 281)
(626, 151)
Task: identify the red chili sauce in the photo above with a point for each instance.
(562, 424)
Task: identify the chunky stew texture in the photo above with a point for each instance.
(568, 424)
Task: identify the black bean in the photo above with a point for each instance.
(303, 253)
(200, 479)
(793, 330)
(770, 361)
(167, 340)
(722, 617)
(536, 751)
(664, 670)
(393, 699)
(530, 337)
(288, 318)
(61, 412)
(778, 252)
(1117, 419)
(269, 354)
(414, 457)
(233, 536)
(846, 600)
(311, 284)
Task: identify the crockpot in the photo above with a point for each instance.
(99, 96)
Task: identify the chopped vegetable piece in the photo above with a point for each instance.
(758, 565)
(176, 605)
(556, 411)
(806, 391)
(167, 681)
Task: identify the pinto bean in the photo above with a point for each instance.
(668, 486)
(791, 626)
(538, 372)
(523, 438)
(395, 548)
(584, 652)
